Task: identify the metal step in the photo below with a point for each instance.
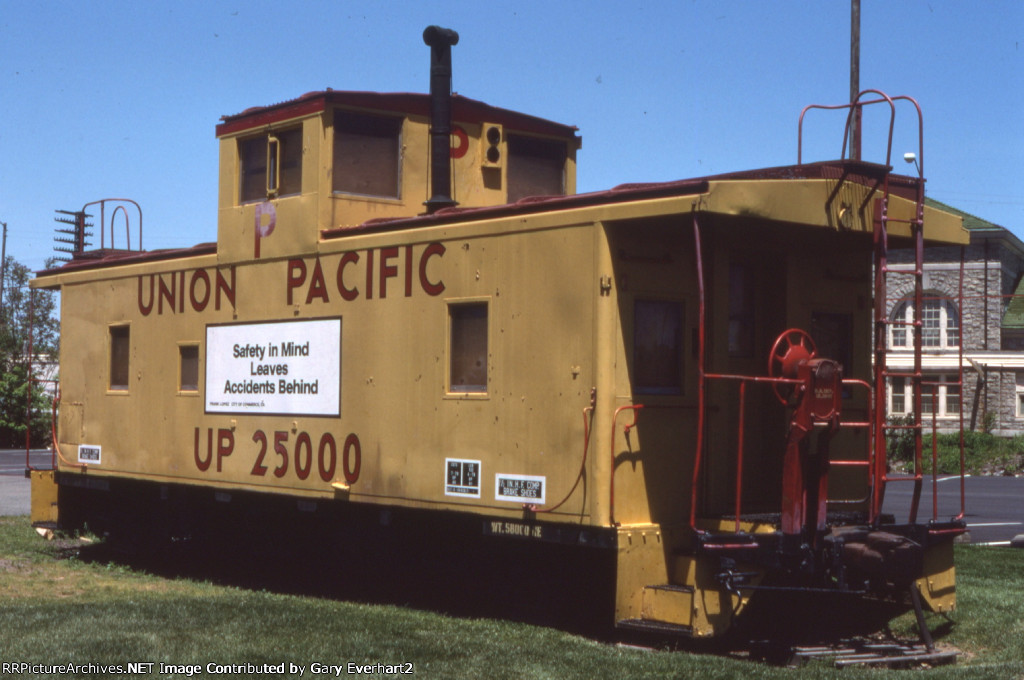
(655, 627)
(667, 603)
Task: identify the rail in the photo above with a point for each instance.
(743, 380)
(884, 374)
(875, 461)
(119, 208)
(588, 415)
(858, 104)
(635, 408)
(918, 475)
(75, 239)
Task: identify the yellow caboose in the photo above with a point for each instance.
(408, 306)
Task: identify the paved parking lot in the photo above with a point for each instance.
(14, 487)
(14, 496)
(994, 511)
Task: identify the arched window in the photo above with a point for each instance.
(940, 325)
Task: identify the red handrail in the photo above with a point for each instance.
(635, 408)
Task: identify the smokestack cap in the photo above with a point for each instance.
(436, 36)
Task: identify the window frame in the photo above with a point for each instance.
(378, 119)
(742, 320)
(119, 352)
(679, 351)
(940, 383)
(947, 324)
(898, 387)
(275, 145)
(469, 390)
(182, 389)
(536, 148)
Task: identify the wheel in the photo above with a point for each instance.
(791, 348)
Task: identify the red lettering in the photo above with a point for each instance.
(408, 271)
(169, 290)
(144, 307)
(202, 464)
(387, 271)
(263, 230)
(327, 455)
(353, 456)
(327, 445)
(225, 445)
(199, 304)
(166, 293)
(224, 288)
(279, 448)
(381, 264)
(347, 294)
(428, 286)
(369, 274)
(296, 276)
(303, 442)
(317, 287)
(459, 135)
(181, 292)
(258, 468)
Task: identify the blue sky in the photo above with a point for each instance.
(120, 99)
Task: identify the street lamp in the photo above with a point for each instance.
(911, 157)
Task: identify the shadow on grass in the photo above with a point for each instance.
(449, 567)
(407, 563)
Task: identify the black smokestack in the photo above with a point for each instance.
(440, 41)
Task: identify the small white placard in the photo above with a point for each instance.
(519, 488)
(462, 477)
(285, 368)
(90, 454)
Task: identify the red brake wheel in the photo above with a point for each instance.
(791, 348)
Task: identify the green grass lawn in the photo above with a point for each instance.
(56, 608)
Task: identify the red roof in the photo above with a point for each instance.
(464, 110)
(871, 174)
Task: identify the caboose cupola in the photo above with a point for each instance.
(331, 159)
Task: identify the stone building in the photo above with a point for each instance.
(989, 325)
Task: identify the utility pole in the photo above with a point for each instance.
(855, 119)
(3, 274)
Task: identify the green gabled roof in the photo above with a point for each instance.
(1014, 316)
(971, 222)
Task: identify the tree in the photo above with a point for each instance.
(29, 338)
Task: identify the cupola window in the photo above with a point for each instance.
(271, 165)
(367, 150)
(536, 167)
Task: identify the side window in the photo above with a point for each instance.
(536, 167)
(741, 310)
(940, 325)
(188, 368)
(120, 351)
(467, 353)
(657, 347)
(833, 336)
(270, 165)
(366, 154)
(898, 398)
(940, 396)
